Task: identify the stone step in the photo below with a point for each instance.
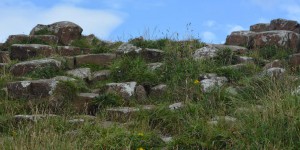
(25, 67)
(31, 39)
(25, 51)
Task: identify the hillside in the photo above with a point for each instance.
(64, 90)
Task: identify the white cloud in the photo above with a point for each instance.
(17, 20)
(208, 37)
(209, 23)
(234, 28)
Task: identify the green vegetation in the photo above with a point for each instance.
(266, 113)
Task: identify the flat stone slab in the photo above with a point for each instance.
(234, 48)
(125, 90)
(25, 67)
(81, 73)
(35, 89)
(68, 50)
(32, 118)
(121, 114)
(25, 51)
(100, 75)
(96, 59)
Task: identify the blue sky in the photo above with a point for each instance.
(210, 21)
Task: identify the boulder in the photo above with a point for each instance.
(205, 52)
(154, 66)
(25, 67)
(236, 49)
(82, 103)
(294, 60)
(274, 63)
(240, 38)
(279, 38)
(176, 106)
(26, 51)
(81, 73)
(68, 50)
(150, 55)
(96, 59)
(121, 114)
(274, 72)
(32, 39)
(283, 24)
(244, 59)
(100, 75)
(210, 81)
(36, 89)
(4, 57)
(125, 90)
(32, 118)
(66, 31)
(140, 93)
(260, 27)
(158, 90)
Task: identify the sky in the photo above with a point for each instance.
(114, 20)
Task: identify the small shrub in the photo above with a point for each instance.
(273, 52)
(225, 57)
(82, 43)
(156, 44)
(108, 100)
(45, 73)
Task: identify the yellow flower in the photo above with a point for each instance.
(196, 81)
(140, 134)
(140, 148)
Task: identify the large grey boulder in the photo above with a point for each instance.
(66, 31)
(283, 24)
(25, 67)
(205, 52)
(81, 73)
(26, 51)
(36, 89)
(125, 90)
(211, 81)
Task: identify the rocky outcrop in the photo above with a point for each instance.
(25, 67)
(36, 89)
(205, 53)
(283, 24)
(211, 81)
(260, 27)
(28, 39)
(279, 38)
(125, 90)
(68, 50)
(66, 31)
(96, 59)
(26, 51)
(240, 38)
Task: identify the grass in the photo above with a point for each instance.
(266, 111)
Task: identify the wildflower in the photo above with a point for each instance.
(196, 81)
(140, 148)
(140, 134)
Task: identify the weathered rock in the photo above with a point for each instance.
(158, 91)
(68, 50)
(294, 60)
(176, 106)
(63, 78)
(66, 31)
(100, 75)
(83, 103)
(36, 89)
(276, 63)
(274, 72)
(226, 119)
(81, 73)
(166, 139)
(96, 59)
(76, 121)
(25, 67)
(126, 48)
(244, 59)
(279, 38)
(240, 38)
(121, 114)
(211, 81)
(154, 66)
(140, 93)
(70, 62)
(125, 90)
(260, 27)
(32, 39)
(26, 51)
(283, 24)
(4, 57)
(205, 52)
(150, 55)
(32, 118)
(236, 49)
